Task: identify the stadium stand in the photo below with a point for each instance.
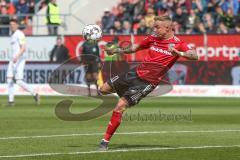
(190, 16)
(135, 16)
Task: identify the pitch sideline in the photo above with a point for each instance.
(119, 133)
(119, 150)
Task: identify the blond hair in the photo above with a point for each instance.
(162, 18)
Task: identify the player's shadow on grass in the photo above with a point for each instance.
(74, 146)
(125, 146)
(129, 146)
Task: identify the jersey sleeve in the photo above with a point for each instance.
(183, 47)
(21, 38)
(145, 43)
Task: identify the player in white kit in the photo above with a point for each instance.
(17, 63)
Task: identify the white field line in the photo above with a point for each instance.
(123, 133)
(119, 150)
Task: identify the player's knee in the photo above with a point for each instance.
(19, 81)
(105, 89)
(102, 90)
(88, 80)
(95, 76)
(10, 81)
(121, 106)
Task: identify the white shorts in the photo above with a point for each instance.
(16, 70)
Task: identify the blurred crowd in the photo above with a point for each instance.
(16, 9)
(22, 10)
(189, 16)
(13, 9)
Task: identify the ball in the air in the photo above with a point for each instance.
(92, 32)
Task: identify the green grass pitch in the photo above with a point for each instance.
(208, 129)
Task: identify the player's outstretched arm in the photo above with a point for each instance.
(190, 54)
(118, 50)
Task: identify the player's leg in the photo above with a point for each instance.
(119, 84)
(115, 84)
(106, 89)
(114, 122)
(25, 86)
(88, 76)
(94, 71)
(10, 91)
(131, 89)
(88, 81)
(10, 84)
(95, 79)
(19, 80)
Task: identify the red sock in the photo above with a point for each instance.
(113, 125)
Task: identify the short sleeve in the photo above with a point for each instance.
(21, 38)
(145, 43)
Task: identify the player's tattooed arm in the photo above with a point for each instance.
(121, 50)
(129, 50)
(190, 54)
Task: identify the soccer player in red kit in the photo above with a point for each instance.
(164, 50)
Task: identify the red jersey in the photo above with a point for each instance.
(159, 60)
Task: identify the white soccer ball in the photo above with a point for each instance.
(92, 32)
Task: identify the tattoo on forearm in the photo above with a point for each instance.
(128, 50)
(124, 50)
